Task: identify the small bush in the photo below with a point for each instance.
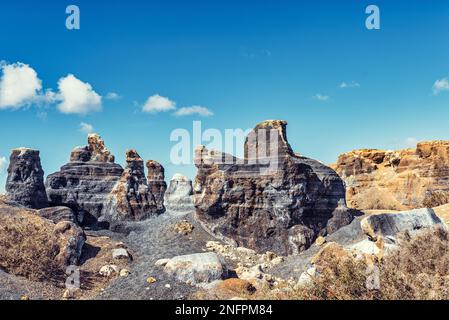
(436, 198)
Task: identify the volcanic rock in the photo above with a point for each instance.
(57, 214)
(179, 195)
(396, 180)
(132, 198)
(25, 182)
(157, 184)
(84, 184)
(273, 199)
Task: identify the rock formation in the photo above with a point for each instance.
(131, 198)
(25, 182)
(156, 183)
(179, 195)
(396, 180)
(84, 184)
(273, 199)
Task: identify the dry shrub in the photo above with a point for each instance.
(26, 247)
(419, 270)
(436, 198)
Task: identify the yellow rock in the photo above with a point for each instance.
(24, 298)
(320, 241)
(151, 280)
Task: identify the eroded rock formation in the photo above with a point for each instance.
(156, 183)
(84, 184)
(132, 198)
(25, 182)
(396, 180)
(273, 199)
(179, 195)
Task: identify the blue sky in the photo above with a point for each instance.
(245, 61)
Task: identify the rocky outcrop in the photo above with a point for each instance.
(396, 180)
(273, 199)
(179, 195)
(25, 182)
(132, 197)
(57, 214)
(84, 184)
(157, 184)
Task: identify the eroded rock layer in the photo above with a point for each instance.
(84, 184)
(25, 182)
(272, 199)
(156, 183)
(397, 180)
(179, 195)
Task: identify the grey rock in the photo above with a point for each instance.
(25, 182)
(390, 224)
(120, 254)
(179, 195)
(57, 214)
(196, 269)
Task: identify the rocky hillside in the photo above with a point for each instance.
(396, 180)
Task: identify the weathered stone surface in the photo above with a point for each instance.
(57, 214)
(25, 182)
(156, 183)
(70, 239)
(273, 200)
(179, 195)
(85, 183)
(131, 198)
(196, 269)
(390, 224)
(396, 180)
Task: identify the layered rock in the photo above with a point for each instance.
(84, 184)
(132, 198)
(273, 199)
(397, 180)
(25, 182)
(179, 195)
(156, 183)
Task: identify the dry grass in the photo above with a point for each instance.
(436, 198)
(420, 270)
(27, 250)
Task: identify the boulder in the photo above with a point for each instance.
(196, 269)
(396, 180)
(179, 195)
(25, 182)
(131, 197)
(273, 199)
(57, 214)
(388, 225)
(84, 184)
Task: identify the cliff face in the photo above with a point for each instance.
(397, 180)
(178, 197)
(86, 181)
(25, 182)
(271, 200)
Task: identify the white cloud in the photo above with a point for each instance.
(320, 97)
(187, 111)
(157, 103)
(112, 96)
(19, 85)
(3, 164)
(86, 128)
(353, 84)
(410, 142)
(77, 97)
(441, 85)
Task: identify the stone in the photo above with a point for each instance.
(57, 214)
(120, 254)
(391, 224)
(156, 183)
(183, 227)
(396, 180)
(84, 184)
(70, 239)
(320, 241)
(235, 286)
(179, 195)
(151, 280)
(161, 262)
(196, 269)
(132, 198)
(109, 270)
(306, 278)
(25, 181)
(124, 273)
(269, 201)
